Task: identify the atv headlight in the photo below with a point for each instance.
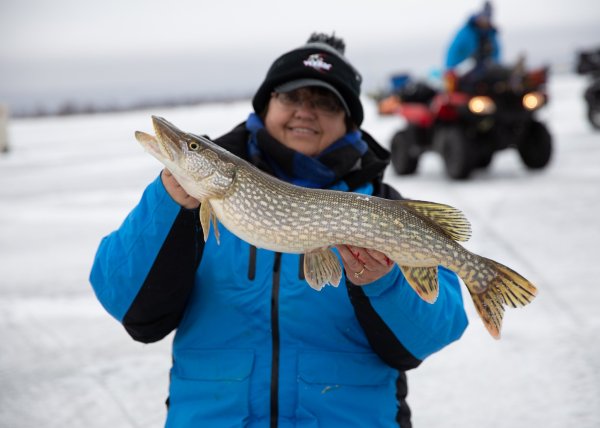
(482, 105)
(533, 100)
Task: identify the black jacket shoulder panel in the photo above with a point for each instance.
(373, 164)
(381, 153)
(384, 190)
(162, 299)
(235, 141)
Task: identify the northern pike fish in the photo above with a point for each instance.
(269, 213)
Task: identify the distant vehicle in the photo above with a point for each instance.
(588, 63)
(467, 124)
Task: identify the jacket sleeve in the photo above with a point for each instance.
(144, 271)
(462, 47)
(401, 327)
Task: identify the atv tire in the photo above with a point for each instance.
(405, 153)
(535, 146)
(484, 157)
(593, 114)
(457, 152)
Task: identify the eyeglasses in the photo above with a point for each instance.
(321, 100)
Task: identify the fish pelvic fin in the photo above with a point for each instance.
(206, 213)
(451, 220)
(424, 280)
(506, 288)
(322, 267)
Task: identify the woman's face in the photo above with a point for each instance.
(307, 120)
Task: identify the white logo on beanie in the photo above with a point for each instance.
(317, 62)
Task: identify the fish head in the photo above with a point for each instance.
(200, 166)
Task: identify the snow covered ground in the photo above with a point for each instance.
(69, 181)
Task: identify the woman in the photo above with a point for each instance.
(254, 344)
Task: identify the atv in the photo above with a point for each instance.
(469, 120)
(588, 63)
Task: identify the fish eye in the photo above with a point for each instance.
(192, 145)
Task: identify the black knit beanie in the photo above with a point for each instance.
(317, 63)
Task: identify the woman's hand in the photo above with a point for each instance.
(364, 265)
(177, 192)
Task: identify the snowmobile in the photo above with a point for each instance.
(589, 64)
(471, 119)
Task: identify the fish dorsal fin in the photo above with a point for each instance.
(452, 221)
(424, 280)
(206, 213)
(322, 267)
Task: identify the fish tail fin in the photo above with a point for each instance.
(494, 287)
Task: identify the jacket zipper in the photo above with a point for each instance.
(301, 267)
(252, 263)
(275, 341)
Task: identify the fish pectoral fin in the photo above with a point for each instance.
(216, 227)
(322, 267)
(206, 213)
(424, 280)
(205, 219)
(452, 221)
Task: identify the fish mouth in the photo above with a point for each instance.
(165, 144)
(152, 145)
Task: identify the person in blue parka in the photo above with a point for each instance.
(254, 345)
(477, 41)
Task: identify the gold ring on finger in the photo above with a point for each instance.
(358, 274)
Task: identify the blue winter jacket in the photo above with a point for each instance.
(473, 42)
(253, 341)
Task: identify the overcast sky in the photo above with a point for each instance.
(128, 48)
